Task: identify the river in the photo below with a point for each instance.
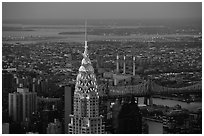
(193, 106)
(41, 33)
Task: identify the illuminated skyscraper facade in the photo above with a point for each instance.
(86, 118)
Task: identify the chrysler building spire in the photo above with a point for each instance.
(86, 62)
(86, 43)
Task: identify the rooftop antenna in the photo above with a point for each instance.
(86, 46)
(86, 33)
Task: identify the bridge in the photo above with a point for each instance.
(149, 88)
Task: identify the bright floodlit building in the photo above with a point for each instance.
(86, 118)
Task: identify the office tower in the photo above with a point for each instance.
(54, 128)
(68, 106)
(46, 116)
(86, 118)
(103, 109)
(5, 128)
(22, 104)
(129, 119)
(116, 107)
(15, 106)
(7, 81)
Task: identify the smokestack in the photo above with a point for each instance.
(117, 65)
(124, 66)
(134, 66)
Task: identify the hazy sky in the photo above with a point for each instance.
(81, 10)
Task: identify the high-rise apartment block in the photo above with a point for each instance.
(22, 104)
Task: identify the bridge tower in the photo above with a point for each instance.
(148, 99)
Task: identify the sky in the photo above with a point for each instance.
(101, 10)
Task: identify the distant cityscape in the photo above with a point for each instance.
(104, 77)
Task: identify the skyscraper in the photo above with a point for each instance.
(22, 104)
(129, 119)
(5, 128)
(86, 118)
(68, 107)
(55, 127)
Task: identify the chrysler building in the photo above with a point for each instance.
(86, 118)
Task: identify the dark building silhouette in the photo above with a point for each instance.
(47, 116)
(68, 106)
(7, 81)
(115, 111)
(8, 85)
(129, 119)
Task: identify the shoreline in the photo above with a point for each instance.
(176, 99)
